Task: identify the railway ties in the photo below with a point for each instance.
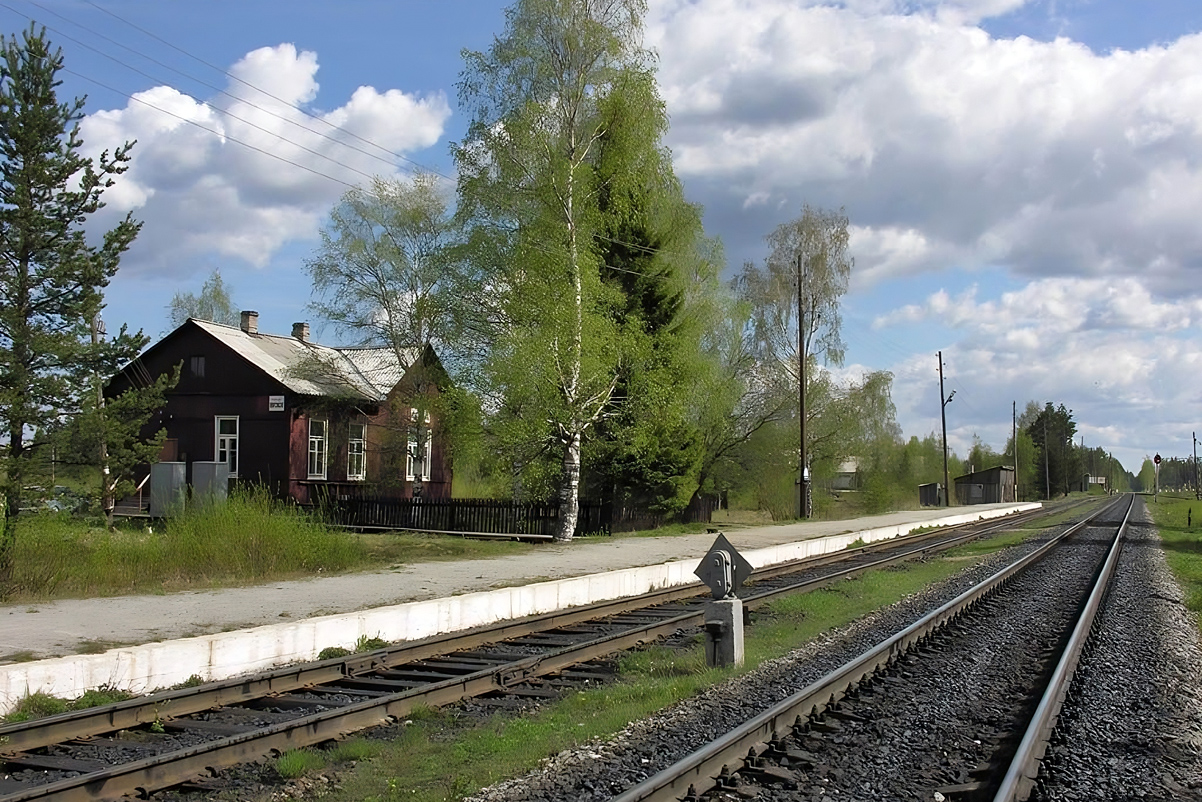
(958, 706)
(180, 735)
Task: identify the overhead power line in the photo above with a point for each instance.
(223, 71)
(227, 113)
(215, 88)
(275, 156)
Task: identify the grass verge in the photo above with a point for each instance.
(437, 759)
(40, 705)
(1182, 538)
(251, 538)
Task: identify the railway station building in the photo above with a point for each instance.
(306, 421)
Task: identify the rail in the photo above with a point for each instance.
(1024, 768)
(701, 770)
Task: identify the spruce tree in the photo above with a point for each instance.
(51, 278)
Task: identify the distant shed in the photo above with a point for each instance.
(990, 486)
(930, 495)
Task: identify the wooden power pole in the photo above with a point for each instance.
(943, 402)
(803, 479)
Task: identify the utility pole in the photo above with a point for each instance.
(1047, 481)
(1197, 492)
(1014, 439)
(947, 498)
(106, 488)
(803, 478)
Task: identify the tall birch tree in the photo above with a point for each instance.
(379, 274)
(538, 99)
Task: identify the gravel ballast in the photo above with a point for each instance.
(602, 769)
(1134, 727)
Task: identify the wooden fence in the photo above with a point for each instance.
(501, 517)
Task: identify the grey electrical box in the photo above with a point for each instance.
(168, 488)
(210, 481)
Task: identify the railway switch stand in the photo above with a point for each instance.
(724, 570)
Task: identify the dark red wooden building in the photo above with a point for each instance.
(302, 419)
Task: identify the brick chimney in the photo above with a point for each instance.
(301, 331)
(250, 322)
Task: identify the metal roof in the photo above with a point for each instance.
(311, 369)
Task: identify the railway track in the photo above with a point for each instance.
(165, 739)
(957, 706)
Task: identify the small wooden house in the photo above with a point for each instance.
(990, 486)
(306, 421)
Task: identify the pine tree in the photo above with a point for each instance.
(51, 279)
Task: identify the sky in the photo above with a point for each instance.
(1023, 177)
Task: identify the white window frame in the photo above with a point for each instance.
(356, 451)
(413, 446)
(319, 448)
(429, 453)
(222, 451)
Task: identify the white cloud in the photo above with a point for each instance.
(948, 148)
(1058, 306)
(253, 172)
(1124, 361)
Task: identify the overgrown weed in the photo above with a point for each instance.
(41, 705)
(247, 539)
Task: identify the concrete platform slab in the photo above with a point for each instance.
(409, 603)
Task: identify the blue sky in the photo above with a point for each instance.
(1022, 177)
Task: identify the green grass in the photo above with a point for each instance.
(1180, 523)
(436, 759)
(330, 652)
(1061, 511)
(296, 762)
(363, 644)
(353, 750)
(40, 705)
(249, 539)
(979, 548)
(97, 646)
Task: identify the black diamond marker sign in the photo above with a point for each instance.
(711, 569)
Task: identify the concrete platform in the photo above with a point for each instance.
(223, 633)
